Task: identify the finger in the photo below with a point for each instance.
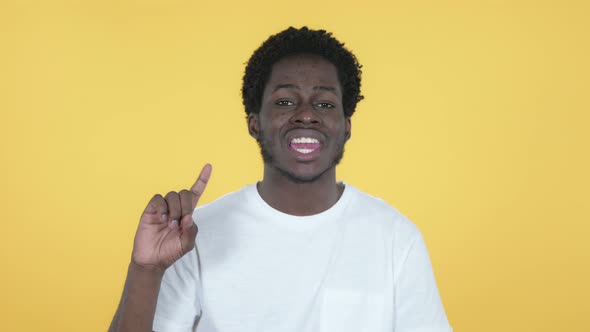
(186, 202)
(199, 187)
(174, 210)
(188, 234)
(157, 206)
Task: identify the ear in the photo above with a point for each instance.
(253, 125)
(347, 128)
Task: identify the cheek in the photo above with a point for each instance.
(341, 128)
(276, 122)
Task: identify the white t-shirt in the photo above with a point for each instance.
(358, 266)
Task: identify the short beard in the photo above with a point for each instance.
(268, 159)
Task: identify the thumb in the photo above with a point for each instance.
(188, 233)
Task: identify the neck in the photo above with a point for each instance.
(299, 199)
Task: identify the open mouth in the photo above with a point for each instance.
(305, 146)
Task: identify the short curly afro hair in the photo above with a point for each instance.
(299, 41)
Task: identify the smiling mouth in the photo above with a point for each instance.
(305, 145)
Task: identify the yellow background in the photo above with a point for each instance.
(475, 125)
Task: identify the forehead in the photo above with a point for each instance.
(304, 68)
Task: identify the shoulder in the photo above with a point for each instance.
(211, 217)
(226, 203)
(226, 212)
(375, 208)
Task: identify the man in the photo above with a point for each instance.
(298, 251)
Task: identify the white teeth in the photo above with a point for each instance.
(304, 151)
(304, 140)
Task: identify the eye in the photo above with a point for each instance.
(284, 103)
(325, 105)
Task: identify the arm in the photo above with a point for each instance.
(166, 232)
(418, 303)
(138, 302)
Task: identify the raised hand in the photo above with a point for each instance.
(166, 230)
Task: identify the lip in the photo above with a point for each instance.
(305, 156)
(311, 133)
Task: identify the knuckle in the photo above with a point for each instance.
(158, 202)
(174, 212)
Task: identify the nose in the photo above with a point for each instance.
(305, 115)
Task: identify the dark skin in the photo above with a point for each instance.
(165, 233)
(302, 99)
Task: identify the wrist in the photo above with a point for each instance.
(146, 270)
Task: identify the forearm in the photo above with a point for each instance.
(138, 303)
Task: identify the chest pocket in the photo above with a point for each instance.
(351, 311)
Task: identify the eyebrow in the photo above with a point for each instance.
(296, 87)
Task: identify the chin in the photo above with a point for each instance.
(299, 173)
(302, 177)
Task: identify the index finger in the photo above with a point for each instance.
(199, 187)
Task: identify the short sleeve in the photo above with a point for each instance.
(178, 306)
(418, 304)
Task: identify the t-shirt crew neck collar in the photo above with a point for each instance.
(315, 219)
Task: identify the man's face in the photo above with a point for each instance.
(301, 127)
